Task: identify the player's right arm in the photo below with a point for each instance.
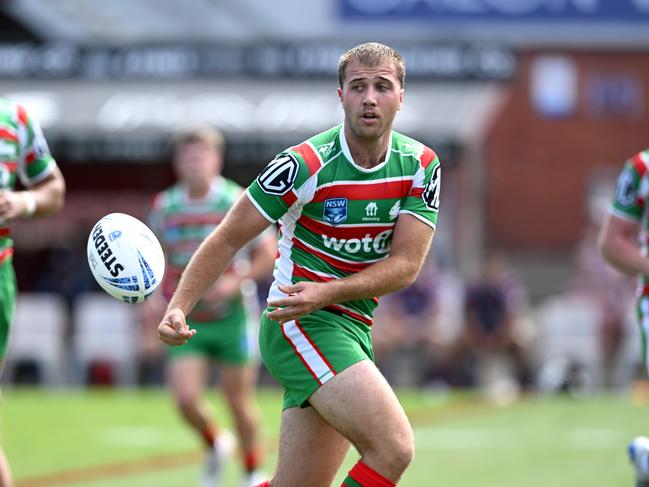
(242, 223)
(37, 171)
(618, 243)
(618, 238)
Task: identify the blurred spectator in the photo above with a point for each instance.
(404, 326)
(491, 350)
(610, 292)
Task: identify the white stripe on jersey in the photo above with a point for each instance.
(394, 179)
(307, 351)
(284, 265)
(366, 225)
(613, 211)
(419, 217)
(261, 210)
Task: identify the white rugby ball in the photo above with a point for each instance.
(125, 257)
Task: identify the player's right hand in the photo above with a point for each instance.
(173, 329)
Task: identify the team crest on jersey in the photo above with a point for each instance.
(279, 176)
(335, 211)
(325, 149)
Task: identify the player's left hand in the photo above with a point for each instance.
(303, 298)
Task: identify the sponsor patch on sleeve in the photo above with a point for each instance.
(279, 175)
(432, 190)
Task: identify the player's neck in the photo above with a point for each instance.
(368, 153)
(197, 192)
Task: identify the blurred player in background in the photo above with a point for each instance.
(357, 207)
(623, 243)
(182, 216)
(24, 155)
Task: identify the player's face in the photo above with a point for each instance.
(196, 163)
(371, 98)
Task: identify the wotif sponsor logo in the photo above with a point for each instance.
(379, 244)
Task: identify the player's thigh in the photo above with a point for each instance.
(361, 405)
(187, 376)
(310, 450)
(238, 382)
(306, 353)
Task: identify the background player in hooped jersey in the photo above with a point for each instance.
(624, 243)
(182, 216)
(24, 155)
(357, 207)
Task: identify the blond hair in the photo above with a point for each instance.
(372, 54)
(206, 135)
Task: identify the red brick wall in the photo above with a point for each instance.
(538, 169)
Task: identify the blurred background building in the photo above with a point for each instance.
(532, 106)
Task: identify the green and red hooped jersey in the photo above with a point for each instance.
(24, 154)
(182, 223)
(337, 218)
(631, 202)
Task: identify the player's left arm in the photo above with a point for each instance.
(410, 244)
(42, 198)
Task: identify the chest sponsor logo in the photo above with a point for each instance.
(279, 176)
(334, 211)
(371, 210)
(379, 244)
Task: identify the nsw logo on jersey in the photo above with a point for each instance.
(334, 211)
(279, 176)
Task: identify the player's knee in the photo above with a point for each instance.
(401, 451)
(395, 451)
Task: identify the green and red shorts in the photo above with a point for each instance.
(304, 354)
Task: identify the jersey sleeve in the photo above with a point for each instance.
(423, 200)
(628, 200)
(35, 162)
(274, 191)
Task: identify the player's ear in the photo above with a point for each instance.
(401, 93)
(340, 94)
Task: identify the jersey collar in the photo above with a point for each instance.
(348, 155)
(216, 187)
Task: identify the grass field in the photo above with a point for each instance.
(111, 439)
